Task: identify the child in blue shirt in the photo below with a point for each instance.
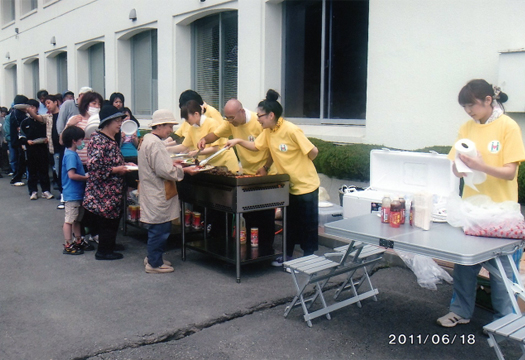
(73, 183)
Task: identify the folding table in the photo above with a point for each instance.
(442, 242)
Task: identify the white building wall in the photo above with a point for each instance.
(421, 53)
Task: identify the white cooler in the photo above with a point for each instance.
(400, 173)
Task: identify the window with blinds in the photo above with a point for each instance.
(215, 58)
(97, 69)
(144, 72)
(326, 48)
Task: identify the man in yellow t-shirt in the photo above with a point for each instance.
(241, 124)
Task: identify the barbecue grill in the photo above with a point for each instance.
(234, 195)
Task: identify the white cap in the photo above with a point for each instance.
(84, 89)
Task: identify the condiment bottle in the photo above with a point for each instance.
(242, 234)
(403, 209)
(395, 213)
(385, 209)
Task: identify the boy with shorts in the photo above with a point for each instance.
(73, 184)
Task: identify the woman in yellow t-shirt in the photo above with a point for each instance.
(500, 150)
(292, 154)
(200, 126)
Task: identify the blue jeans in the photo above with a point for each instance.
(157, 236)
(465, 282)
(13, 158)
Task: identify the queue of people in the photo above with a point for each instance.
(92, 167)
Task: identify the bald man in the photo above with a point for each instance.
(242, 123)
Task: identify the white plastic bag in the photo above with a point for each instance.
(428, 273)
(480, 216)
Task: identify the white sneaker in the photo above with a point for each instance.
(47, 195)
(451, 320)
(34, 196)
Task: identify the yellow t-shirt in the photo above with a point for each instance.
(208, 125)
(210, 112)
(183, 129)
(251, 161)
(499, 143)
(289, 148)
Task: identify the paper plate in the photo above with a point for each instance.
(90, 129)
(129, 127)
(325, 204)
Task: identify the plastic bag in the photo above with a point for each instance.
(480, 216)
(428, 273)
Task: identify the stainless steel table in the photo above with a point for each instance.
(442, 242)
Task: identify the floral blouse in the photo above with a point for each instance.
(104, 190)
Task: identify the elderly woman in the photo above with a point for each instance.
(105, 186)
(159, 202)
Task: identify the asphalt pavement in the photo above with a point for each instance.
(55, 306)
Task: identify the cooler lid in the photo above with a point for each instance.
(405, 172)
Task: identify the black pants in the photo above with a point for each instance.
(38, 166)
(107, 235)
(21, 169)
(302, 221)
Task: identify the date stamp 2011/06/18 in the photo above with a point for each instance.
(432, 339)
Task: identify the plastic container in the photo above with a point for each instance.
(395, 213)
(385, 209)
(329, 214)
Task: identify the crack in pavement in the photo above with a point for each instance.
(195, 328)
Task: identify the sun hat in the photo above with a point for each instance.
(107, 113)
(163, 116)
(84, 89)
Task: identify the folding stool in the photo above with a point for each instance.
(317, 270)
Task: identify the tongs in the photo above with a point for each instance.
(205, 161)
(197, 154)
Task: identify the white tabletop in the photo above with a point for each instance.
(442, 241)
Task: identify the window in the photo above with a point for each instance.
(144, 72)
(35, 77)
(28, 6)
(61, 61)
(215, 57)
(97, 68)
(8, 11)
(11, 84)
(325, 76)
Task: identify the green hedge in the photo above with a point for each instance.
(353, 161)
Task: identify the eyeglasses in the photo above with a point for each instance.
(261, 115)
(119, 120)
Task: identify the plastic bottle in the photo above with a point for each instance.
(385, 209)
(403, 209)
(242, 234)
(395, 213)
(412, 213)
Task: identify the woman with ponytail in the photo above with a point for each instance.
(500, 150)
(292, 154)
